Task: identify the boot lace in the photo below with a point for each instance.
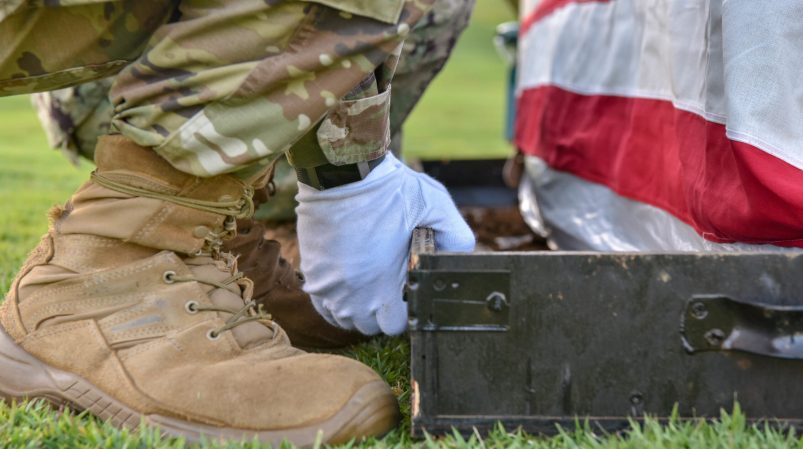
(242, 207)
(213, 242)
(233, 209)
(246, 314)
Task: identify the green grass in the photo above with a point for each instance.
(462, 114)
(35, 425)
(32, 179)
(466, 103)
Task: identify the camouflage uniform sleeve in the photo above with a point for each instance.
(357, 128)
(206, 105)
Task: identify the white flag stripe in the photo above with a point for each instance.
(737, 62)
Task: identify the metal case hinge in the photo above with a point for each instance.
(465, 300)
(720, 323)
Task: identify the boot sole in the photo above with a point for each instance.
(371, 411)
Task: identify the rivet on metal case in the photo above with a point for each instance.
(496, 301)
(715, 337)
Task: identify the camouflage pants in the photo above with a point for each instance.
(219, 86)
(74, 118)
(424, 54)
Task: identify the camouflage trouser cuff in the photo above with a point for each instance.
(355, 131)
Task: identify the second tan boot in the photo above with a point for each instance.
(278, 287)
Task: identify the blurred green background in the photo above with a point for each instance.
(462, 115)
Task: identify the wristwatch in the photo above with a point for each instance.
(328, 176)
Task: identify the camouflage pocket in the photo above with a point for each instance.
(387, 11)
(356, 130)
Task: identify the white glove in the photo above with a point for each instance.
(354, 242)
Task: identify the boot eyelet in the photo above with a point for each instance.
(169, 277)
(201, 232)
(191, 307)
(212, 335)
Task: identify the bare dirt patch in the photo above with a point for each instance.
(502, 229)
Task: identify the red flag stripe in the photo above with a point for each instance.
(547, 7)
(649, 151)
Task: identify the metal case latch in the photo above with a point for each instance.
(460, 300)
(720, 323)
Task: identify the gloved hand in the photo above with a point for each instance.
(354, 242)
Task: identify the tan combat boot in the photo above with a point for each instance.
(278, 287)
(128, 309)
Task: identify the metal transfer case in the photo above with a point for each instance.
(538, 339)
